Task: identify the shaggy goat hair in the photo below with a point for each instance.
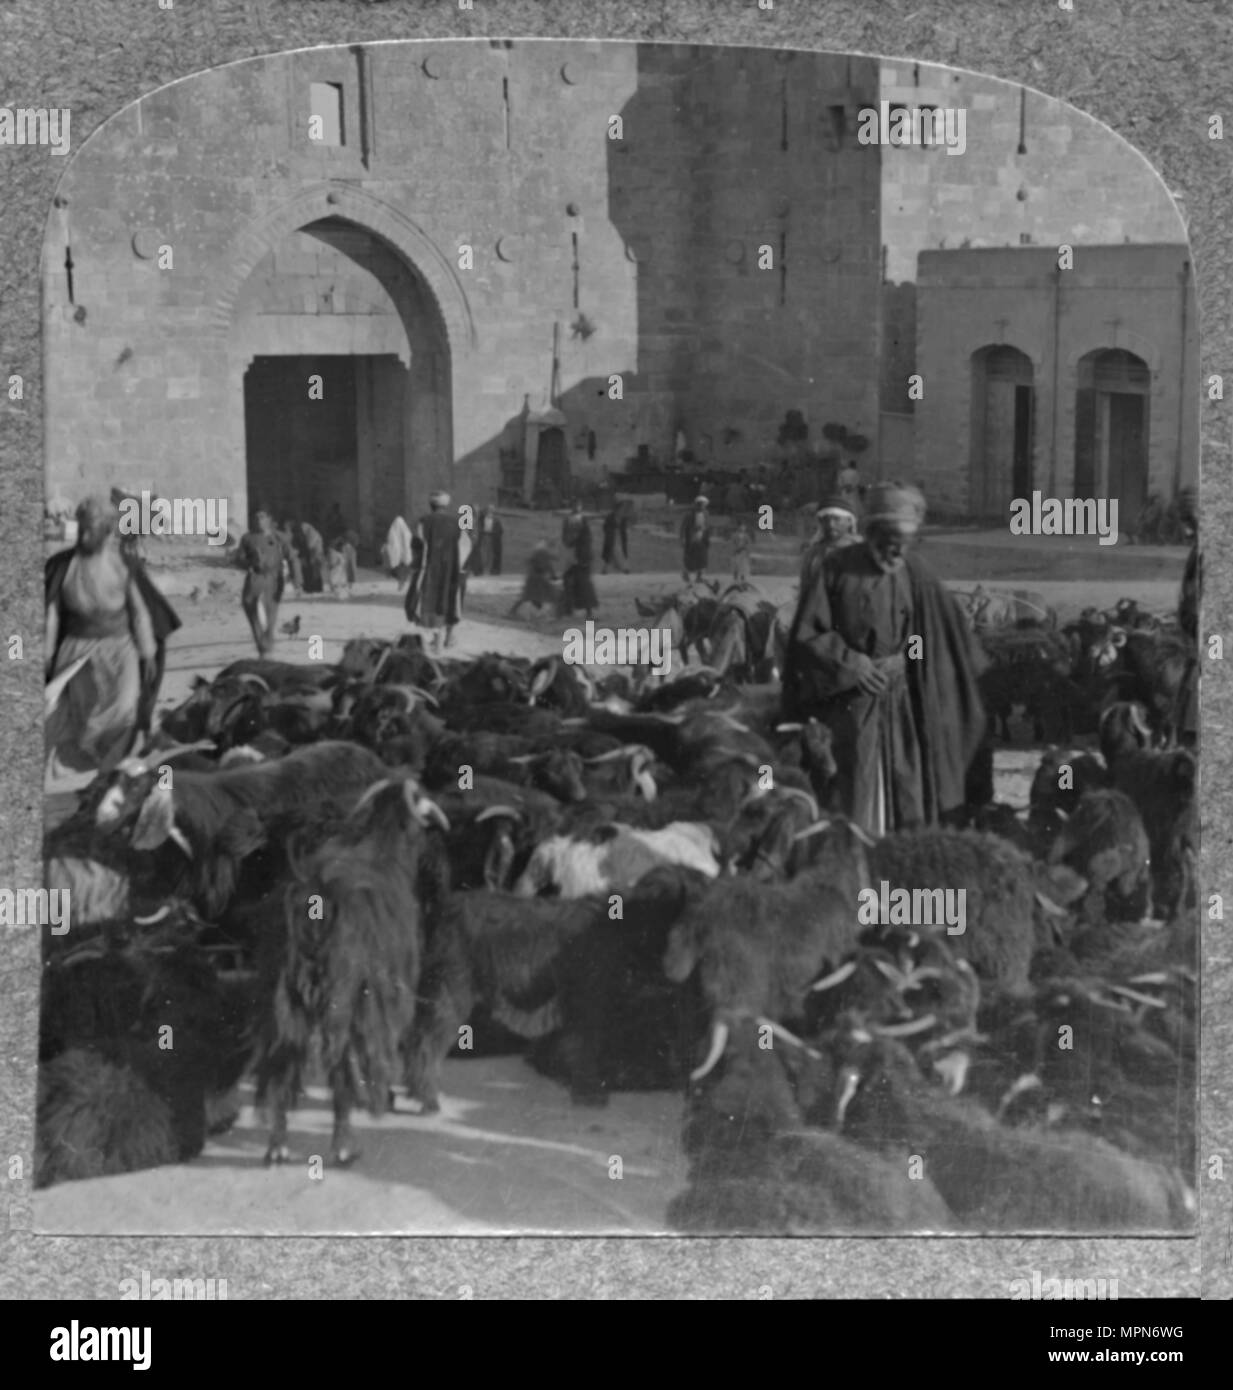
(1104, 840)
(117, 1002)
(1162, 784)
(1001, 885)
(96, 1118)
(351, 963)
(623, 1025)
(992, 1177)
(493, 953)
(758, 947)
(756, 1168)
(220, 818)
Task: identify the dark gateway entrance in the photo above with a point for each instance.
(306, 455)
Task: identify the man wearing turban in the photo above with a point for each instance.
(878, 651)
(439, 551)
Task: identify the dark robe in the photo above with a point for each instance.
(312, 558)
(434, 598)
(696, 538)
(903, 755)
(540, 586)
(579, 586)
(486, 552)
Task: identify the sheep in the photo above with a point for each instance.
(1104, 840)
(218, 819)
(994, 1178)
(756, 1168)
(348, 976)
(613, 857)
(1162, 785)
(492, 952)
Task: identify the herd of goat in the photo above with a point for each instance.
(328, 872)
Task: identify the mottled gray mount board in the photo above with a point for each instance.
(1154, 74)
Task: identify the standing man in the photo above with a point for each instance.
(879, 652)
(578, 588)
(696, 539)
(261, 554)
(836, 528)
(434, 597)
(101, 640)
(616, 529)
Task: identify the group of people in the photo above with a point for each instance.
(877, 648)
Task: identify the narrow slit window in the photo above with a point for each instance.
(326, 103)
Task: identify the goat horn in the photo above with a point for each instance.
(904, 1030)
(802, 795)
(815, 829)
(781, 1032)
(788, 728)
(491, 812)
(851, 1082)
(177, 837)
(608, 757)
(157, 917)
(382, 661)
(523, 758)
(836, 977)
(863, 835)
(1134, 994)
(251, 678)
(719, 1041)
(427, 809)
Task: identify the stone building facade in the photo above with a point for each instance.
(349, 275)
(1077, 383)
(1034, 171)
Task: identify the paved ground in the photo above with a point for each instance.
(508, 1153)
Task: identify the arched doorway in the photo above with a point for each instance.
(1002, 429)
(1112, 398)
(346, 378)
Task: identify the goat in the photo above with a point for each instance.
(612, 858)
(994, 1178)
(623, 1025)
(1104, 840)
(757, 949)
(220, 818)
(1003, 889)
(112, 1004)
(349, 975)
(756, 1168)
(1162, 785)
(492, 952)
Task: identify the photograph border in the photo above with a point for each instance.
(1155, 76)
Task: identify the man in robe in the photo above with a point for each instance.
(879, 652)
(696, 540)
(261, 556)
(101, 640)
(440, 550)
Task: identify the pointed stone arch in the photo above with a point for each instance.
(408, 241)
